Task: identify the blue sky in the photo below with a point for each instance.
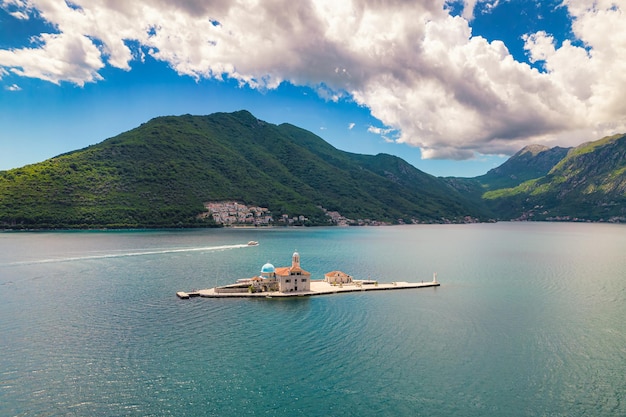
(453, 87)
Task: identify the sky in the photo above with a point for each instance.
(452, 87)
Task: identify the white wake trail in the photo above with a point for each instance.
(128, 254)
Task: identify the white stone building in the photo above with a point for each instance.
(284, 279)
(293, 278)
(337, 277)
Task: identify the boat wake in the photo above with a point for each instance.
(128, 254)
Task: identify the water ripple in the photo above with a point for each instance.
(524, 323)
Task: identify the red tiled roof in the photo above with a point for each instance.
(287, 270)
(336, 274)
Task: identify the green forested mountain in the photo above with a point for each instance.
(531, 162)
(586, 183)
(589, 183)
(161, 174)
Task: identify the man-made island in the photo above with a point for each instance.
(293, 281)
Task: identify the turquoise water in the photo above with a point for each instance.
(529, 321)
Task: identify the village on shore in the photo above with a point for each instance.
(233, 213)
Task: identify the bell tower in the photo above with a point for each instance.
(295, 260)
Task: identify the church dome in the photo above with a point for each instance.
(268, 268)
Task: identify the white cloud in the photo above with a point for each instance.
(470, 6)
(13, 87)
(19, 15)
(388, 134)
(379, 130)
(489, 6)
(425, 76)
(468, 9)
(593, 75)
(62, 57)
(351, 126)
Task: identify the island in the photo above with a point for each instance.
(293, 281)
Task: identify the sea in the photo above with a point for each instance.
(529, 320)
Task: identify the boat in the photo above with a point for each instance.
(253, 243)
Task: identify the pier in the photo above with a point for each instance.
(184, 295)
(317, 288)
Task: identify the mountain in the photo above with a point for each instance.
(531, 162)
(162, 173)
(588, 183)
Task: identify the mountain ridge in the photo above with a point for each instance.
(589, 183)
(163, 172)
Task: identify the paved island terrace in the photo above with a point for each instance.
(293, 281)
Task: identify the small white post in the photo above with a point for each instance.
(435, 277)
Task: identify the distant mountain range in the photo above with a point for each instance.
(166, 171)
(588, 183)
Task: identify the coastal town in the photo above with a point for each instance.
(233, 213)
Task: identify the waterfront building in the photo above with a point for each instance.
(293, 278)
(337, 277)
(284, 279)
(293, 281)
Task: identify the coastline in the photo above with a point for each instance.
(318, 287)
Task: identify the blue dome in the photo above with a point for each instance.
(268, 268)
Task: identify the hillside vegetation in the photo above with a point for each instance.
(161, 174)
(589, 183)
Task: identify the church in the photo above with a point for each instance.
(284, 279)
(293, 281)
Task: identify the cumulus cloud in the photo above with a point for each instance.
(13, 87)
(470, 6)
(468, 9)
(61, 57)
(417, 68)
